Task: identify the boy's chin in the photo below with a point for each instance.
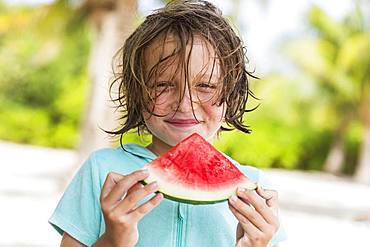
(181, 136)
(174, 140)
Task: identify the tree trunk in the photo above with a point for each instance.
(111, 22)
(362, 173)
(335, 159)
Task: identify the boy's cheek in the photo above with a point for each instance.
(157, 109)
(217, 112)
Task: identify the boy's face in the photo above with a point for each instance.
(173, 102)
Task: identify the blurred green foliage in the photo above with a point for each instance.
(337, 60)
(285, 131)
(43, 74)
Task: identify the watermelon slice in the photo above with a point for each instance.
(195, 172)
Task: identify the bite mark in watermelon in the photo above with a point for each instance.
(195, 172)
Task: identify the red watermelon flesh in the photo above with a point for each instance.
(195, 172)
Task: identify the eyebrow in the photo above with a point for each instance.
(208, 76)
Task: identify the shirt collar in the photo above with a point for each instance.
(138, 150)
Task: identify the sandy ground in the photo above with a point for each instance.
(316, 209)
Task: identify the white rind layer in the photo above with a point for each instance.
(175, 189)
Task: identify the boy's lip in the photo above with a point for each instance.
(183, 122)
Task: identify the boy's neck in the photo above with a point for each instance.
(158, 147)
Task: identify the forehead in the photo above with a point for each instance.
(198, 52)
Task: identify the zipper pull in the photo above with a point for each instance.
(181, 210)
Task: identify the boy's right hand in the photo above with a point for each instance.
(119, 197)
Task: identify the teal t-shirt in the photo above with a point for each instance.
(170, 224)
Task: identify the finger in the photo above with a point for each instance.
(146, 207)
(130, 201)
(271, 196)
(259, 204)
(136, 187)
(111, 180)
(247, 226)
(121, 188)
(248, 213)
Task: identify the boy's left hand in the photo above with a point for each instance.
(257, 214)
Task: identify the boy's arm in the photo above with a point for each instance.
(68, 241)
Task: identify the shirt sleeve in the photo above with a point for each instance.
(280, 235)
(78, 213)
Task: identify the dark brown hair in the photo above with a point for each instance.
(182, 20)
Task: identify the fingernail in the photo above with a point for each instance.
(158, 198)
(145, 172)
(241, 190)
(153, 185)
(233, 199)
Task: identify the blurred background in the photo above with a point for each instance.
(311, 131)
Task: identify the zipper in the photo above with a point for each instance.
(180, 222)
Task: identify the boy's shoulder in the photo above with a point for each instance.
(128, 157)
(129, 150)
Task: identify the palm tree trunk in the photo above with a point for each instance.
(335, 159)
(362, 173)
(111, 23)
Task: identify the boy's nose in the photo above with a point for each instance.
(184, 101)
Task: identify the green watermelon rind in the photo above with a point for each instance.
(167, 195)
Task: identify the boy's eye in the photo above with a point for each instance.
(163, 87)
(206, 87)
(164, 84)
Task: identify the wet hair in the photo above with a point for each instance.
(183, 21)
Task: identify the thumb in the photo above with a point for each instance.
(239, 232)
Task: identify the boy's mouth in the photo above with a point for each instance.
(182, 122)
